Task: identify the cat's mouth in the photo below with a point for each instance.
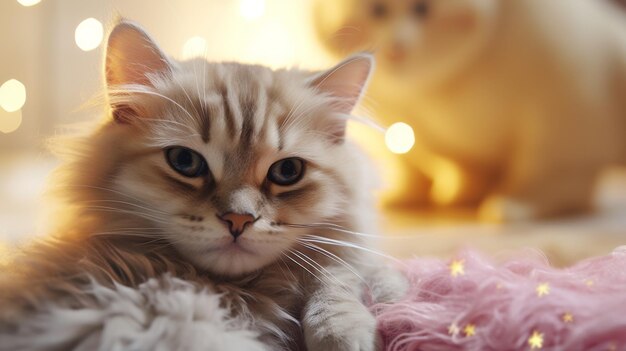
(236, 246)
(230, 248)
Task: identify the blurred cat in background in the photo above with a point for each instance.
(523, 101)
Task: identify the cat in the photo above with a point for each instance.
(516, 105)
(232, 177)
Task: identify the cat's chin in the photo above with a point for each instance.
(232, 259)
(237, 248)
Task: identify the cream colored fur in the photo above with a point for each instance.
(140, 258)
(516, 104)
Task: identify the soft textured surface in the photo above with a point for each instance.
(582, 307)
(501, 300)
(163, 314)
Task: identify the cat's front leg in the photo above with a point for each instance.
(334, 317)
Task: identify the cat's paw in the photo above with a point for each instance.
(386, 284)
(351, 329)
(501, 209)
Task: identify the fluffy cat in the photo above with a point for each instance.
(520, 102)
(234, 178)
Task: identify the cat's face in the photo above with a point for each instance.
(224, 156)
(410, 37)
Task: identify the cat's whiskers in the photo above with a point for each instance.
(319, 268)
(336, 227)
(297, 120)
(324, 135)
(204, 73)
(126, 203)
(204, 65)
(156, 235)
(282, 262)
(364, 121)
(285, 125)
(134, 228)
(294, 120)
(332, 257)
(107, 189)
(188, 97)
(366, 101)
(322, 281)
(310, 238)
(138, 90)
(166, 139)
(302, 124)
(293, 114)
(161, 120)
(329, 226)
(154, 218)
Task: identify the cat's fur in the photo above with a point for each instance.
(128, 218)
(522, 101)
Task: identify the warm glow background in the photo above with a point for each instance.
(50, 66)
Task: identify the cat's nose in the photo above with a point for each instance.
(236, 222)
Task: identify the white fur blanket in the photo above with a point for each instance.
(164, 314)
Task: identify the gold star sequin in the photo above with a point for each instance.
(536, 340)
(453, 329)
(469, 330)
(543, 289)
(568, 317)
(589, 282)
(457, 268)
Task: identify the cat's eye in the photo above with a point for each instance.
(287, 171)
(379, 10)
(186, 161)
(420, 9)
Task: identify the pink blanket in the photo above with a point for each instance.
(473, 303)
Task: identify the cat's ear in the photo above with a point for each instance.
(346, 83)
(131, 56)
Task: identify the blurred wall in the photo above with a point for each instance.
(38, 48)
(25, 39)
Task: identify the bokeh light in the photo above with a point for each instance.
(195, 47)
(89, 34)
(274, 46)
(28, 3)
(399, 138)
(12, 95)
(252, 9)
(10, 121)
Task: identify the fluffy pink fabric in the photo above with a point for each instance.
(503, 303)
